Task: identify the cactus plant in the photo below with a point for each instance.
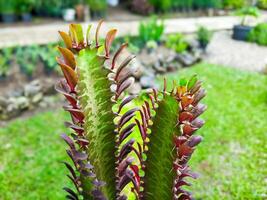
(109, 160)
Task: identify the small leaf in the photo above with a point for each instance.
(123, 46)
(88, 34)
(109, 39)
(68, 57)
(78, 33)
(192, 82)
(69, 74)
(66, 38)
(97, 33)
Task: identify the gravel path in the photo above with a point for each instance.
(223, 50)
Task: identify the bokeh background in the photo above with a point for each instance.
(222, 41)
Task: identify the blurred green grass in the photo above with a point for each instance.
(231, 160)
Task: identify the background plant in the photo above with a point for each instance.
(234, 4)
(259, 34)
(107, 156)
(151, 30)
(5, 59)
(204, 36)
(248, 12)
(177, 42)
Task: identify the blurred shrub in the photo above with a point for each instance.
(151, 30)
(97, 5)
(177, 43)
(233, 4)
(25, 6)
(203, 36)
(161, 6)
(5, 59)
(204, 4)
(8, 7)
(259, 34)
(248, 11)
(262, 4)
(27, 59)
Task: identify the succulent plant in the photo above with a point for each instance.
(117, 148)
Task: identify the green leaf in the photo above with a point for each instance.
(159, 175)
(94, 94)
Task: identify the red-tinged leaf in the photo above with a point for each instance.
(71, 192)
(126, 149)
(141, 128)
(126, 119)
(196, 87)
(83, 142)
(71, 170)
(127, 114)
(77, 155)
(186, 101)
(188, 129)
(97, 33)
(68, 140)
(78, 33)
(126, 84)
(198, 123)
(70, 97)
(70, 197)
(184, 150)
(78, 114)
(69, 74)
(68, 57)
(198, 96)
(74, 182)
(123, 46)
(109, 39)
(66, 38)
(79, 130)
(125, 101)
(123, 65)
(185, 116)
(194, 141)
(148, 109)
(124, 164)
(182, 183)
(126, 132)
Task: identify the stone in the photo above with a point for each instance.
(186, 59)
(137, 68)
(32, 88)
(135, 88)
(48, 87)
(37, 98)
(22, 102)
(3, 102)
(147, 82)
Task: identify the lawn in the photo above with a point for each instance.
(231, 160)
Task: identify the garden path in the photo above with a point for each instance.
(45, 33)
(223, 50)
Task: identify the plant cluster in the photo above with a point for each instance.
(28, 58)
(151, 30)
(259, 34)
(119, 150)
(177, 43)
(248, 12)
(234, 4)
(203, 36)
(5, 60)
(262, 4)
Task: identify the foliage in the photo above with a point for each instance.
(248, 12)
(5, 59)
(177, 42)
(27, 58)
(234, 4)
(151, 30)
(8, 7)
(204, 4)
(107, 156)
(161, 5)
(31, 157)
(204, 35)
(259, 34)
(47, 55)
(97, 5)
(262, 4)
(25, 6)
